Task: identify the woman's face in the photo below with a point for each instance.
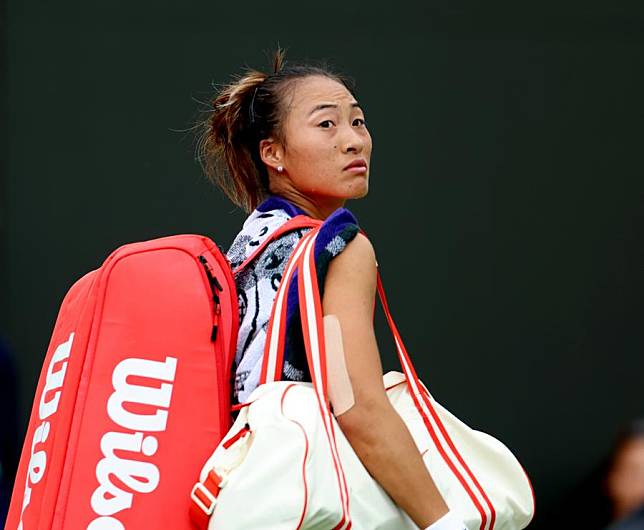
(325, 131)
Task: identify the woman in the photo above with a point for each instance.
(624, 481)
(296, 142)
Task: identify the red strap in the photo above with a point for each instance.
(204, 493)
(240, 434)
(276, 330)
(311, 312)
(477, 494)
(313, 333)
(204, 497)
(299, 221)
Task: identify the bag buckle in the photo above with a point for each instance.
(207, 509)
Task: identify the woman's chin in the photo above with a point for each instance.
(361, 190)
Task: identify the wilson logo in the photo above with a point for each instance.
(141, 409)
(47, 407)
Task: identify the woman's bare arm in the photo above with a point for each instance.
(372, 426)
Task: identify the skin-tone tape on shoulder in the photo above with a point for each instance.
(339, 383)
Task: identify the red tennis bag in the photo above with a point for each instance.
(134, 392)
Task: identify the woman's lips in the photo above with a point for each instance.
(357, 169)
(358, 165)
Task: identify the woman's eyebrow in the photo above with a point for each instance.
(322, 106)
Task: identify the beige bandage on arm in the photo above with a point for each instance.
(339, 383)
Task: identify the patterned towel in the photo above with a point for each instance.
(258, 284)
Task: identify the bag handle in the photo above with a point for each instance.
(435, 427)
(276, 328)
(303, 262)
(311, 313)
(313, 331)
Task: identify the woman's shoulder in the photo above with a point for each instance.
(339, 230)
(335, 233)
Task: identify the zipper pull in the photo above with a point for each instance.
(215, 326)
(216, 288)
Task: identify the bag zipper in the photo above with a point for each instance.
(216, 288)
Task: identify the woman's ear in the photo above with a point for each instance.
(271, 152)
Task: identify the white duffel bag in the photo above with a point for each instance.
(285, 463)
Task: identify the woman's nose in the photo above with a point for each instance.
(352, 141)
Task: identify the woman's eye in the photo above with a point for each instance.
(360, 121)
(322, 124)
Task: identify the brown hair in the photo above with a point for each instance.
(243, 113)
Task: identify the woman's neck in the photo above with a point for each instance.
(316, 207)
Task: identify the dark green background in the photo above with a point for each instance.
(505, 197)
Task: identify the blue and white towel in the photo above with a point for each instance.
(258, 284)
